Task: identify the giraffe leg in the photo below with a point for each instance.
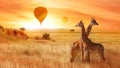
(73, 55)
(87, 56)
(82, 51)
(82, 56)
(101, 54)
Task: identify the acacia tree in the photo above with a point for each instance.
(22, 29)
(72, 30)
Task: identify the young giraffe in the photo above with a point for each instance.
(79, 44)
(89, 46)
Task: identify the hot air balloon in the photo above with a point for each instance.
(65, 19)
(40, 13)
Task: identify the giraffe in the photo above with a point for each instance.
(79, 43)
(88, 30)
(89, 46)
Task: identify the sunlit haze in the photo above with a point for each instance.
(20, 13)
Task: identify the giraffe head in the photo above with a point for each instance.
(80, 24)
(94, 22)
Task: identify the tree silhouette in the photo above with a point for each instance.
(22, 29)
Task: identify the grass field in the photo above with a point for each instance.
(47, 54)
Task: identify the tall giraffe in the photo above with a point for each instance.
(90, 46)
(79, 43)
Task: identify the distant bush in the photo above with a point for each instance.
(37, 38)
(46, 36)
(1, 27)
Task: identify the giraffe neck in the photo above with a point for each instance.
(84, 37)
(88, 30)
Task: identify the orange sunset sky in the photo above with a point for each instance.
(19, 13)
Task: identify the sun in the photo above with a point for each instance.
(48, 23)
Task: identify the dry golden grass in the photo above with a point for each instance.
(47, 54)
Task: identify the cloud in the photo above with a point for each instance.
(107, 9)
(110, 5)
(14, 10)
